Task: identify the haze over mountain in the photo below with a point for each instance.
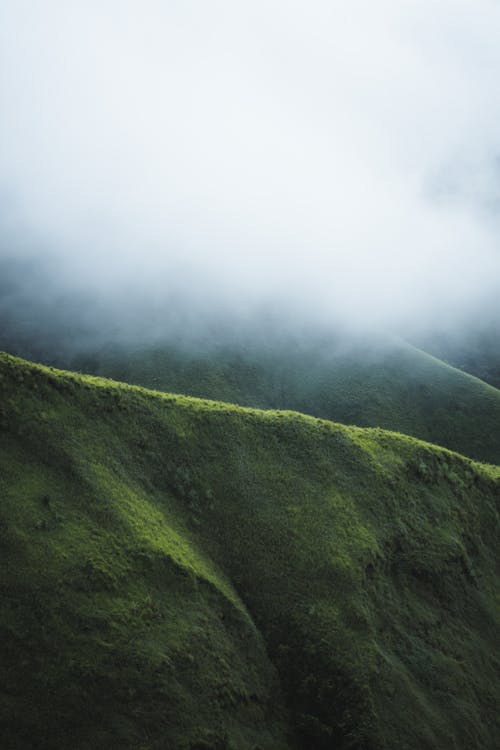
(335, 161)
(276, 224)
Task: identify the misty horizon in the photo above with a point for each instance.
(332, 165)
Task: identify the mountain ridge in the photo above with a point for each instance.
(364, 562)
(392, 385)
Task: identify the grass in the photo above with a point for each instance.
(386, 384)
(181, 573)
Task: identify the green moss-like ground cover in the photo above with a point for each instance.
(179, 573)
(383, 383)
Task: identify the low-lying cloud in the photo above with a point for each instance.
(335, 159)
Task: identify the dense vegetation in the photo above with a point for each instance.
(475, 350)
(185, 574)
(264, 362)
(382, 383)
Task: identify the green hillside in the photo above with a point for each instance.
(385, 383)
(184, 574)
(474, 348)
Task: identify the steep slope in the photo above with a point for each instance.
(116, 629)
(474, 348)
(265, 360)
(173, 567)
(383, 383)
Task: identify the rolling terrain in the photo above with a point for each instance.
(476, 351)
(383, 383)
(190, 574)
(371, 380)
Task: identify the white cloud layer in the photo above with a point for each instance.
(332, 155)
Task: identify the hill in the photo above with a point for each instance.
(474, 348)
(383, 382)
(179, 573)
(371, 380)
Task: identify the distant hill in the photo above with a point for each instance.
(186, 574)
(265, 362)
(474, 349)
(378, 383)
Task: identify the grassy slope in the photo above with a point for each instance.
(166, 560)
(390, 385)
(475, 350)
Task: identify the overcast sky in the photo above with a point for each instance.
(333, 155)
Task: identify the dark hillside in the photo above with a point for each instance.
(187, 574)
(368, 381)
(475, 350)
(386, 384)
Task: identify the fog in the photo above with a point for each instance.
(323, 161)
